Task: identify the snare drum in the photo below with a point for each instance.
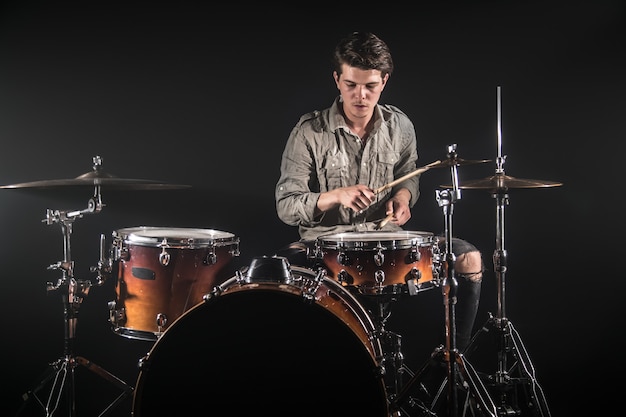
(163, 272)
(381, 262)
(273, 340)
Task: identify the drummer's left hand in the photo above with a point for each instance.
(398, 205)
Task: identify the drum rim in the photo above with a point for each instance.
(186, 237)
(404, 239)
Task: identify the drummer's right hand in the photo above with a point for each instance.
(356, 197)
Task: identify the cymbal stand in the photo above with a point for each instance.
(460, 373)
(520, 371)
(61, 373)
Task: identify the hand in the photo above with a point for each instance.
(356, 197)
(398, 205)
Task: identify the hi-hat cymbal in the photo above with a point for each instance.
(457, 161)
(99, 177)
(500, 182)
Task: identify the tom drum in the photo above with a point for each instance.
(162, 273)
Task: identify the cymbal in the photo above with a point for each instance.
(98, 177)
(457, 161)
(504, 182)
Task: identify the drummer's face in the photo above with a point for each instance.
(360, 91)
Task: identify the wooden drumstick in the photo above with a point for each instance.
(406, 177)
(384, 221)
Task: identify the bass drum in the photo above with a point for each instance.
(274, 340)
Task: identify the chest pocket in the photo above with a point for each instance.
(382, 171)
(334, 171)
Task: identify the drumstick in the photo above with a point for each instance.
(384, 221)
(406, 177)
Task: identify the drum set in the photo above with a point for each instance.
(279, 338)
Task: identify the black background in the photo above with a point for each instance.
(207, 95)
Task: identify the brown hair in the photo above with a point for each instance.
(365, 51)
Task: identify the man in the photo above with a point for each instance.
(336, 161)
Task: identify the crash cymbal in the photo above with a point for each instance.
(116, 183)
(457, 161)
(98, 177)
(504, 182)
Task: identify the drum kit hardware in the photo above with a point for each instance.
(454, 161)
(459, 371)
(61, 373)
(514, 367)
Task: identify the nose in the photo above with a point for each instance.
(360, 91)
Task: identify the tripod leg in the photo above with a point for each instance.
(31, 394)
(408, 397)
(57, 373)
(126, 389)
(114, 404)
(473, 344)
(104, 374)
(476, 386)
(470, 382)
(507, 381)
(537, 397)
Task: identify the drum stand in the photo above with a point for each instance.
(391, 342)
(521, 373)
(461, 375)
(62, 372)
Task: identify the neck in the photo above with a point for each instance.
(360, 127)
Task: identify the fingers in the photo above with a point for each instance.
(397, 214)
(358, 197)
(361, 201)
(402, 217)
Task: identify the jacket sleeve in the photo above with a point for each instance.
(296, 201)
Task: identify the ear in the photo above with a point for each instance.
(385, 79)
(336, 77)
